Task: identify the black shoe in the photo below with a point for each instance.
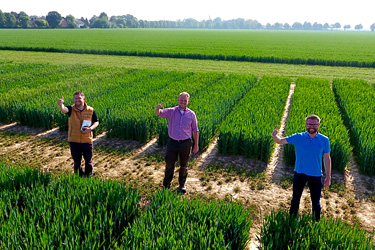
(181, 190)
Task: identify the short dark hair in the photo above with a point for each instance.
(313, 117)
(79, 93)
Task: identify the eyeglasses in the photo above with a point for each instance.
(312, 125)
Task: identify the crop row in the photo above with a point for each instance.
(282, 231)
(260, 59)
(341, 48)
(242, 111)
(314, 96)
(246, 131)
(356, 101)
(39, 211)
(213, 104)
(124, 99)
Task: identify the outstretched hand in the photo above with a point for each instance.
(159, 105)
(275, 131)
(60, 101)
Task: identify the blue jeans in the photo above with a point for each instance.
(315, 185)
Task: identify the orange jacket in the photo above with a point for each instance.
(75, 121)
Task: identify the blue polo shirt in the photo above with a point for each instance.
(309, 152)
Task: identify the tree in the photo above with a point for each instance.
(2, 19)
(100, 23)
(239, 23)
(347, 26)
(358, 27)
(326, 26)
(23, 20)
(131, 21)
(191, 23)
(372, 27)
(278, 26)
(10, 20)
(286, 26)
(297, 26)
(217, 23)
(337, 25)
(317, 26)
(53, 18)
(71, 21)
(253, 24)
(307, 26)
(92, 19)
(41, 23)
(104, 16)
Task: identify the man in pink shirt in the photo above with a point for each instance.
(182, 123)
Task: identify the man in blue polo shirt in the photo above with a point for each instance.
(310, 147)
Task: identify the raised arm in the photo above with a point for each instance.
(276, 138)
(157, 109)
(62, 108)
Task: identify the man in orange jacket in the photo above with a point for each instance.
(82, 121)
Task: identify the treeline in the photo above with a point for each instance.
(55, 20)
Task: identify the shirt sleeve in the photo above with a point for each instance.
(166, 113)
(194, 124)
(69, 110)
(291, 139)
(327, 147)
(94, 117)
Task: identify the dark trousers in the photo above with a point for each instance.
(177, 149)
(315, 185)
(78, 150)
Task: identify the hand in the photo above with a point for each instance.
(159, 105)
(86, 130)
(275, 131)
(195, 149)
(327, 182)
(60, 101)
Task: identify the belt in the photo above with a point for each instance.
(180, 141)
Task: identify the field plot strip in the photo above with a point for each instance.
(39, 94)
(286, 47)
(356, 101)
(137, 121)
(247, 130)
(213, 104)
(314, 96)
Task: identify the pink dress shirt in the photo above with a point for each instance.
(180, 127)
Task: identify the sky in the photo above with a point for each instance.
(264, 11)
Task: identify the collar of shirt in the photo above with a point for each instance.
(177, 108)
(305, 134)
